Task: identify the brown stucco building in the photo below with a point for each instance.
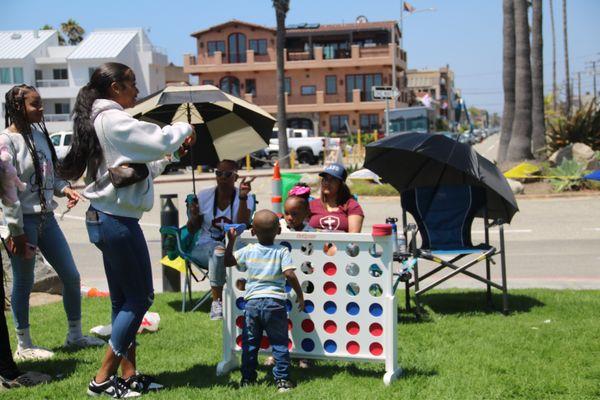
(329, 70)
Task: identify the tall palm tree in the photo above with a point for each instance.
(538, 134)
(554, 89)
(73, 31)
(566, 42)
(519, 147)
(508, 77)
(281, 9)
(61, 39)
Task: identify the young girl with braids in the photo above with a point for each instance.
(31, 221)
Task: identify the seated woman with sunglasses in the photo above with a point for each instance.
(217, 206)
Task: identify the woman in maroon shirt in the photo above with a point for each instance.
(336, 210)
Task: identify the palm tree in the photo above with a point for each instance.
(568, 103)
(508, 77)
(538, 134)
(73, 31)
(554, 89)
(519, 147)
(61, 40)
(281, 9)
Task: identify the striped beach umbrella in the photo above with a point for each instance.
(227, 127)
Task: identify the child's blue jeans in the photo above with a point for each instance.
(46, 234)
(128, 272)
(270, 315)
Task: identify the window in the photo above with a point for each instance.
(364, 83)
(5, 75)
(208, 82)
(237, 48)
(259, 46)
(330, 84)
(68, 139)
(251, 86)
(337, 123)
(369, 122)
(288, 85)
(60, 73)
(308, 90)
(62, 108)
(39, 75)
(18, 75)
(217, 45)
(55, 140)
(231, 85)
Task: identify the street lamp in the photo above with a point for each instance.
(401, 44)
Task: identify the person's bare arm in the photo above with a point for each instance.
(293, 281)
(243, 215)
(229, 258)
(355, 223)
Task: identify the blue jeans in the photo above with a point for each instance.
(128, 272)
(270, 315)
(53, 245)
(213, 260)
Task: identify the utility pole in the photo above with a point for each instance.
(579, 88)
(593, 72)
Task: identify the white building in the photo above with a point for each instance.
(35, 58)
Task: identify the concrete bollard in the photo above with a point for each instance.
(276, 198)
(169, 216)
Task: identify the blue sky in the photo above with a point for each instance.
(466, 34)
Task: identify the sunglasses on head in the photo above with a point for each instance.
(225, 174)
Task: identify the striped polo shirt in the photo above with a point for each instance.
(265, 266)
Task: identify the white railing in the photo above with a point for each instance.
(57, 117)
(52, 82)
(149, 47)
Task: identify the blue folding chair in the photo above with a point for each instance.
(444, 216)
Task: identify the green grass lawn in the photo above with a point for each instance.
(549, 347)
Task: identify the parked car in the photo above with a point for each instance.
(62, 143)
(310, 149)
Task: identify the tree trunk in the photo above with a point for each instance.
(519, 147)
(281, 8)
(554, 89)
(566, 42)
(538, 135)
(508, 77)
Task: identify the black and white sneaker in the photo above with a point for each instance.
(143, 383)
(283, 385)
(113, 387)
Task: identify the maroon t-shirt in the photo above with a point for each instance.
(333, 220)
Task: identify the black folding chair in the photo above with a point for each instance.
(444, 216)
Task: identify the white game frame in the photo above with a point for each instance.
(363, 348)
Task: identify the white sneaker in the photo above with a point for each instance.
(32, 353)
(216, 310)
(83, 342)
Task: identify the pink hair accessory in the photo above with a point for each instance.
(300, 191)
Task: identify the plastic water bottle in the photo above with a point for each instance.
(401, 243)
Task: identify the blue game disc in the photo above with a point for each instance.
(330, 307)
(376, 310)
(308, 306)
(240, 303)
(352, 308)
(330, 346)
(307, 345)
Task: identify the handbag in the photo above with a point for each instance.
(127, 174)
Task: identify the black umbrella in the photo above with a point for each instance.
(226, 127)
(412, 160)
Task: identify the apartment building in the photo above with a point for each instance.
(435, 88)
(35, 58)
(329, 70)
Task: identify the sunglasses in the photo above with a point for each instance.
(225, 174)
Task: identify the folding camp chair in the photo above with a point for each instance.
(444, 216)
(180, 243)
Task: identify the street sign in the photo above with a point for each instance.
(384, 92)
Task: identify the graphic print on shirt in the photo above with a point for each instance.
(217, 230)
(47, 176)
(330, 222)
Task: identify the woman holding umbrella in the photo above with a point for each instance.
(121, 155)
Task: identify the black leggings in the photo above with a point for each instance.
(8, 368)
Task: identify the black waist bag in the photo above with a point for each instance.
(128, 174)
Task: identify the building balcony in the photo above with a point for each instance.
(319, 57)
(52, 82)
(57, 117)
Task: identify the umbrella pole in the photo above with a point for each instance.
(189, 118)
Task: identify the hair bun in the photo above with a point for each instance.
(300, 191)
